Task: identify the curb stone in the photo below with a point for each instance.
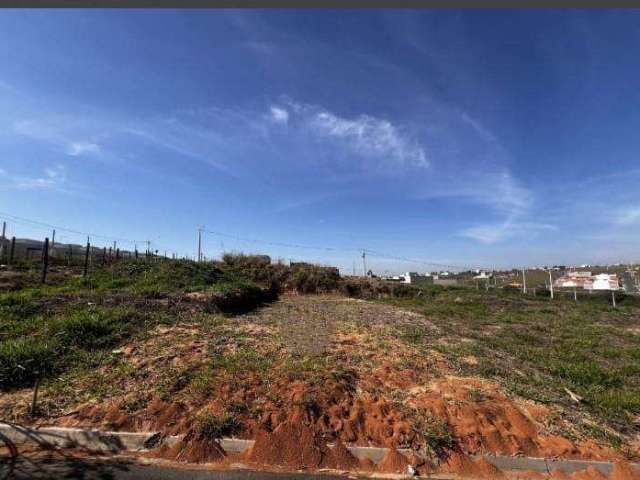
(99, 441)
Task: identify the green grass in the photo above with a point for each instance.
(537, 347)
(49, 329)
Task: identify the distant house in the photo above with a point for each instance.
(412, 278)
(482, 276)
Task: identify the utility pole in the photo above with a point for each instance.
(550, 284)
(524, 282)
(364, 263)
(53, 238)
(148, 242)
(199, 244)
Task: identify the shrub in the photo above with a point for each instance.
(212, 426)
(308, 278)
(239, 296)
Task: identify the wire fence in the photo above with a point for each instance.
(63, 245)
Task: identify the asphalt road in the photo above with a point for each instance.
(75, 468)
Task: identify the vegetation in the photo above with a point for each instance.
(47, 329)
(538, 348)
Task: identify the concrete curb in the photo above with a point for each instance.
(99, 441)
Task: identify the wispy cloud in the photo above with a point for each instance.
(480, 129)
(507, 198)
(500, 231)
(76, 149)
(57, 136)
(51, 178)
(628, 216)
(364, 134)
(279, 115)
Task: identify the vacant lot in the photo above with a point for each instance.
(181, 347)
(538, 349)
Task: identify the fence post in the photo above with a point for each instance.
(34, 399)
(70, 255)
(13, 249)
(613, 298)
(86, 259)
(45, 259)
(104, 255)
(117, 254)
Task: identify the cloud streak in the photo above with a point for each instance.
(52, 178)
(628, 216)
(363, 135)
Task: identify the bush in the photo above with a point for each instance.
(212, 426)
(25, 359)
(240, 296)
(308, 278)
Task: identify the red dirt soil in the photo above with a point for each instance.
(393, 462)
(340, 458)
(193, 448)
(494, 424)
(624, 471)
(291, 445)
(560, 475)
(591, 473)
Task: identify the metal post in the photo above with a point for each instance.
(524, 282)
(2, 248)
(34, 399)
(551, 284)
(575, 295)
(86, 258)
(199, 244)
(13, 249)
(45, 259)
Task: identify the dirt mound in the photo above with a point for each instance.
(340, 458)
(393, 462)
(560, 475)
(333, 411)
(193, 448)
(590, 473)
(485, 420)
(527, 475)
(459, 464)
(484, 469)
(624, 471)
(291, 445)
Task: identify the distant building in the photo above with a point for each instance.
(411, 278)
(482, 275)
(587, 281)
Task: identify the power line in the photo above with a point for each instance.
(15, 218)
(281, 244)
(336, 249)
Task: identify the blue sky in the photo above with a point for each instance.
(483, 138)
